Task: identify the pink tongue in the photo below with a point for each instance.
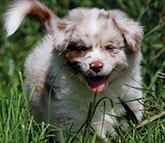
(96, 83)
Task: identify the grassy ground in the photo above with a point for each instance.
(16, 124)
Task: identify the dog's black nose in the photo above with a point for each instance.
(96, 66)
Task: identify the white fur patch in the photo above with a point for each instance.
(14, 16)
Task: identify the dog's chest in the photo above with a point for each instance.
(73, 100)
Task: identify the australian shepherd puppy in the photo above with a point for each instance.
(90, 51)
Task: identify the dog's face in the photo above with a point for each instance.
(96, 47)
(96, 60)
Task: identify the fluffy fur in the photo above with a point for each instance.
(101, 52)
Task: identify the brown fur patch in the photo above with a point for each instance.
(42, 14)
(116, 52)
(78, 35)
(105, 26)
(88, 57)
(105, 15)
(112, 41)
(86, 35)
(113, 51)
(136, 38)
(61, 26)
(124, 32)
(74, 53)
(113, 56)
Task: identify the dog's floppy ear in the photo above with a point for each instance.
(62, 32)
(18, 10)
(131, 30)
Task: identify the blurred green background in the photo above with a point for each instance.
(151, 14)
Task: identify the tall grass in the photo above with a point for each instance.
(16, 123)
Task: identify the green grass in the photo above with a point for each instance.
(16, 123)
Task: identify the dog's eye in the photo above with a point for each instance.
(109, 48)
(82, 48)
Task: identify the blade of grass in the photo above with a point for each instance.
(137, 133)
(14, 133)
(23, 129)
(9, 115)
(18, 107)
(43, 130)
(72, 138)
(13, 108)
(29, 128)
(31, 94)
(3, 107)
(103, 118)
(23, 89)
(149, 131)
(119, 132)
(129, 113)
(151, 119)
(94, 137)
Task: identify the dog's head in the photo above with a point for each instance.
(95, 43)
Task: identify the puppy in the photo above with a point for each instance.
(90, 51)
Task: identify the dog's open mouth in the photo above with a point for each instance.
(97, 83)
